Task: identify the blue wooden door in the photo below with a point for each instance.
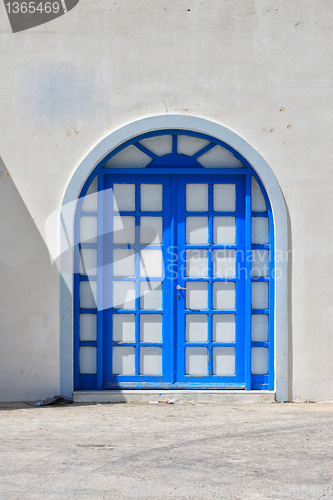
(174, 281)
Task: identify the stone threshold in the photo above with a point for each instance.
(180, 396)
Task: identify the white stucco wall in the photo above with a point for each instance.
(262, 70)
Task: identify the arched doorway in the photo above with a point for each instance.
(174, 267)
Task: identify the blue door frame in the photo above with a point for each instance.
(174, 177)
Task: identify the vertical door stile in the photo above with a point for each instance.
(100, 308)
(248, 284)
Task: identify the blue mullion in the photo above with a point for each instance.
(259, 311)
(137, 276)
(203, 151)
(271, 299)
(87, 278)
(176, 170)
(174, 144)
(76, 303)
(208, 344)
(181, 294)
(261, 279)
(259, 344)
(210, 278)
(256, 246)
(100, 307)
(88, 311)
(260, 214)
(146, 151)
(88, 343)
(247, 281)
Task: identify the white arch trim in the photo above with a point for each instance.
(281, 234)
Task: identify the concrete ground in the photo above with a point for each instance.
(233, 451)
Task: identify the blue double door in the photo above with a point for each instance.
(174, 281)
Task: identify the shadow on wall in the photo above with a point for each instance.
(29, 303)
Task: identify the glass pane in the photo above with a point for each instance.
(224, 296)
(259, 327)
(130, 157)
(224, 263)
(189, 145)
(197, 230)
(151, 361)
(196, 296)
(123, 230)
(123, 262)
(224, 361)
(123, 360)
(197, 197)
(260, 263)
(151, 295)
(88, 230)
(224, 328)
(123, 328)
(260, 295)
(88, 294)
(160, 145)
(151, 197)
(196, 328)
(224, 197)
(259, 360)
(88, 327)
(224, 230)
(88, 262)
(90, 199)
(260, 230)
(124, 294)
(196, 361)
(258, 200)
(124, 197)
(151, 327)
(88, 360)
(219, 157)
(151, 263)
(151, 230)
(196, 263)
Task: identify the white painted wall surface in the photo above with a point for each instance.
(263, 70)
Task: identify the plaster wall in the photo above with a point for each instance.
(262, 70)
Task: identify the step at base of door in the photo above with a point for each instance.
(181, 396)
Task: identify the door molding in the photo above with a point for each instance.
(67, 215)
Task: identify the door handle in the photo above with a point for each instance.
(178, 287)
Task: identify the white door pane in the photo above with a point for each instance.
(224, 296)
(224, 361)
(124, 294)
(197, 230)
(151, 360)
(88, 230)
(124, 197)
(151, 197)
(189, 145)
(260, 230)
(90, 199)
(88, 327)
(197, 197)
(196, 328)
(130, 157)
(151, 295)
(258, 200)
(123, 328)
(151, 327)
(260, 263)
(219, 157)
(196, 263)
(151, 263)
(196, 296)
(123, 262)
(88, 294)
(224, 328)
(151, 230)
(123, 230)
(196, 361)
(88, 262)
(224, 197)
(160, 145)
(123, 360)
(224, 263)
(224, 230)
(260, 295)
(259, 327)
(88, 360)
(259, 360)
